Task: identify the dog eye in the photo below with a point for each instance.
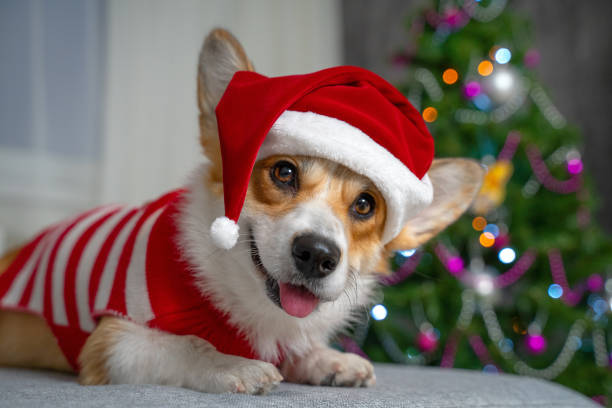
(284, 175)
(363, 206)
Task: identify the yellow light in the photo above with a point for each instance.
(450, 76)
(479, 223)
(485, 68)
(430, 114)
(487, 239)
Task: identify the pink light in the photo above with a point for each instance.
(445, 256)
(471, 89)
(532, 58)
(595, 282)
(536, 344)
(455, 265)
(574, 166)
(427, 341)
(455, 18)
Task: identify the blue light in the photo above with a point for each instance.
(507, 255)
(555, 291)
(482, 102)
(592, 298)
(600, 306)
(407, 253)
(506, 345)
(379, 312)
(493, 229)
(503, 56)
(490, 369)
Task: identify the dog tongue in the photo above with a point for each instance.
(297, 300)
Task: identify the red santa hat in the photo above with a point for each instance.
(345, 114)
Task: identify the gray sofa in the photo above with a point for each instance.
(398, 386)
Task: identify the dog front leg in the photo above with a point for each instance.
(326, 366)
(123, 352)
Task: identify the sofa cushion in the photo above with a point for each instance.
(396, 386)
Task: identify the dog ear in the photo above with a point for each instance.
(456, 183)
(221, 56)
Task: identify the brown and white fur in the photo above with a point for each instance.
(119, 351)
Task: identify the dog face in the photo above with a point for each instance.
(314, 226)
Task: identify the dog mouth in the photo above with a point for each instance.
(295, 300)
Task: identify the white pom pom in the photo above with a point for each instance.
(224, 232)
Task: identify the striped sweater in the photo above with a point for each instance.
(120, 261)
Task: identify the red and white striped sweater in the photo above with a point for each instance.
(115, 260)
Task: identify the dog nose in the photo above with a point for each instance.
(315, 256)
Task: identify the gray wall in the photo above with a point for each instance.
(575, 43)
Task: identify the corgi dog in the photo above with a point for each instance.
(240, 280)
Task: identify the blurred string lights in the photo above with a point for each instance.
(493, 89)
(482, 283)
(479, 300)
(481, 286)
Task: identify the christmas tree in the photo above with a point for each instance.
(523, 282)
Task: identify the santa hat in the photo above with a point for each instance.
(345, 114)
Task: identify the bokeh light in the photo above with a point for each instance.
(507, 255)
(430, 114)
(490, 369)
(482, 102)
(485, 68)
(600, 306)
(493, 229)
(407, 253)
(503, 55)
(379, 312)
(555, 291)
(486, 239)
(536, 343)
(450, 76)
(595, 282)
(574, 166)
(484, 285)
(503, 81)
(479, 223)
(471, 89)
(506, 345)
(455, 265)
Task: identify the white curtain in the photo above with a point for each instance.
(51, 71)
(98, 98)
(151, 114)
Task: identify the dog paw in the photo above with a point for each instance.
(333, 368)
(241, 375)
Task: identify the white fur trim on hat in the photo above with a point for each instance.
(224, 232)
(309, 133)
